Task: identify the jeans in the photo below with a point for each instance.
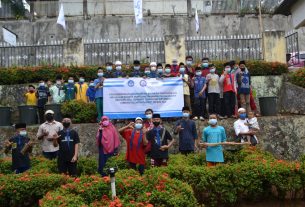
(99, 107)
(200, 107)
(214, 103)
(102, 159)
(50, 155)
(140, 167)
(229, 101)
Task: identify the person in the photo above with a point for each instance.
(107, 139)
(42, 95)
(46, 133)
(187, 131)
(147, 72)
(70, 90)
(186, 84)
(161, 140)
(167, 71)
(108, 72)
(189, 66)
(253, 125)
(148, 124)
(153, 70)
(90, 93)
(136, 69)
(175, 68)
(199, 85)
(68, 142)
(244, 83)
(227, 79)
(159, 70)
(20, 159)
(205, 66)
(118, 70)
(30, 96)
(213, 91)
(135, 135)
(57, 91)
(241, 128)
(98, 85)
(81, 88)
(213, 134)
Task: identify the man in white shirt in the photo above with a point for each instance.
(47, 132)
(241, 128)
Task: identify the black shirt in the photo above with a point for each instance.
(156, 153)
(18, 159)
(67, 141)
(42, 94)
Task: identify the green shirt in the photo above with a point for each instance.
(70, 91)
(58, 94)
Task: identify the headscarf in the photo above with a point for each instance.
(110, 137)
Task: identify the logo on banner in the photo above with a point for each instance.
(131, 83)
(143, 83)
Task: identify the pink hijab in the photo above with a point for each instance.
(110, 137)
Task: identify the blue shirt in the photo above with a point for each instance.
(98, 91)
(187, 135)
(19, 160)
(214, 135)
(153, 74)
(136, 73)
(199, 83)
(118, 74)
(244, 81)
(90, 93)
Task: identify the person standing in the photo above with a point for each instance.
(68, 143)
(42, 95)
(30, 96)
(70, 90)
(189, 66)
(213, 91)
(90, 93)
(57, 91)
(167, 71)
(187, 131)
(46, 133)
(81, 88)
(20, 159)
(186, 84)
(108, 72)
(136, 69)
(135, 135)
(213, 134)
(118, 70)
(205, 66)
(199, 85)
(244, 83)
(98, 85)
(108, 142)
(175, 68)
(161, 140)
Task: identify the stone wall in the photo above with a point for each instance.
(283, 136)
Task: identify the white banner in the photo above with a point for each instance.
(9, 36)
(130, 97)
(138, 11)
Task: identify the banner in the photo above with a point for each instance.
(130, 97)
(138, 11)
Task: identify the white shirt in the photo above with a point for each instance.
(253, 123)
(52, 128)
(186, 88)
(240, 127)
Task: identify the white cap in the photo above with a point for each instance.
(118, 62)
(49, 112)
(138, 118)
(153, 64)
(241, 110)
(175, 60)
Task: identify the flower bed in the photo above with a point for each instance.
(298, 78)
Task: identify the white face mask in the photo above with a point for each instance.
(81, 80)
(23, 133)
(160, 70)
(41, 84)
(148, 116)
(58, 82)
(118, 67)
(70, 81)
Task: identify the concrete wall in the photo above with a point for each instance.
(274, 46)
(298, 15)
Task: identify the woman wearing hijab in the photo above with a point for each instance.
(108, 141)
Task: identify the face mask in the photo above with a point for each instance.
(242, 69)
(186, 115)
(167, 70)
(148, 116)
(41, 84)
(189, 62)
(23, 133)
(136, 67)
(91, 84)
(228, 69)
(100, 74)
(138, 126)
(118, 67)
(198, 73)
(153, 68)
(70, 81)
(81, 80)
(160, 70)
(242, 116)
(212, 71)
(105, 123)
(156, 123)
(49, 117)
(108, 68)
(147, 72)
(182, 70)
(213, 122)
(66, 124)
(58, 82)
(205, 65)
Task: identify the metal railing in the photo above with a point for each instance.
(239, 47)
(292, 48)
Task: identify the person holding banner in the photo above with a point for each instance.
(153, 70)
(161, 140)
(159, 70)
(187, 131)
(167, 71)
(136, 69)
(118, 70)
(135, 135)
(108, 72)
(98, 85)
(186, 85)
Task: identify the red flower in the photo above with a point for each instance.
(148, 193)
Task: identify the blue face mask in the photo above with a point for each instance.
(138, 126)
(136, 67)
(167, 70)
(160, 70)
(23, 133)
(242, 116)
(147, 72)
(213, 122)
(185, 115)
(108, 68)
(205, 65)
(189, 62)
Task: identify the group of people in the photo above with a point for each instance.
(223, 93)
(147, 138)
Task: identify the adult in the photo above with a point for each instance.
(244, 84)
(81, 88)
(135, 135)
(189, 66)
(161, 140)
(68, 143)
(186, 84)
(107, 139)
(98, 85)
(205, 66)
(241, 127)
(46, 133)
(42, 95)
(57, 91)
(187, 131)
(174, 67)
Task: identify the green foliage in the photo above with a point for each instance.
(298, 78)
(79, 111)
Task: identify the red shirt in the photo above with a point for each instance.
(175, 70)
(136, 154)
(204, 72)
(228, 83)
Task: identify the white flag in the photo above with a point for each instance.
(197, 21)
(26, 5)
(61, 17)
(138, 11)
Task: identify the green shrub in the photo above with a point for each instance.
(298, 78)
(79, 111)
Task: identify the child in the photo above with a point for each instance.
(20, 158)
(70, 90)
(252, 123)
(199, 85)
(81, 89)
(42, 95)
(30, 96)
(90, 93)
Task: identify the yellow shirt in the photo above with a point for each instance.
(31, 98)
(81, 91)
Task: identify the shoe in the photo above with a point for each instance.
(195, 118)
(201, 118)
